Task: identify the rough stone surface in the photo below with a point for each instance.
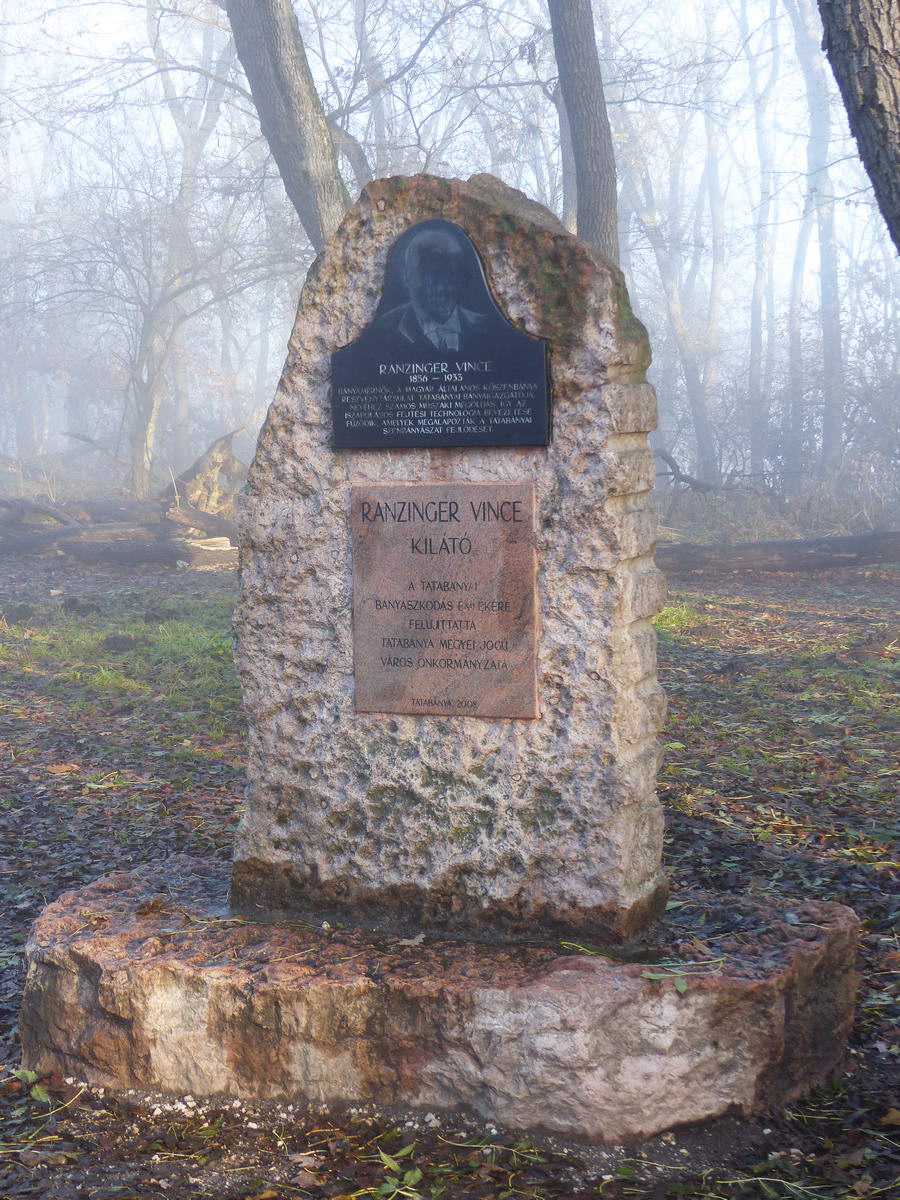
(505, 826)
(128, 988)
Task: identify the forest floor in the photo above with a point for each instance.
(122, 741)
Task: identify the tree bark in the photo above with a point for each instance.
(581, 84)
(293, 122)
(211, 483)
(569, 216)
(862, 41)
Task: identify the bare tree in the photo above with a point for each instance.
(862, 40)
(820, 197)
(195, 117)
(291, 116)
(764, 242)
(581, 84)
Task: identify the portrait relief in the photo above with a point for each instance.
(439, 364)
(436, 267)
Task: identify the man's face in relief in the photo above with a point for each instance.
(435, 275)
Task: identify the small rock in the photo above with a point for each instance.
(20, 614)
(82, 608)
(119, 643)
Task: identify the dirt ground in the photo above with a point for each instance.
(122, 738)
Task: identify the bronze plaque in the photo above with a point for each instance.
(444, 599)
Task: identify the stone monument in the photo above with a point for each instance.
(449, 673)
(479, 815)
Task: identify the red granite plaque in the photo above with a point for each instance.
(444, 599)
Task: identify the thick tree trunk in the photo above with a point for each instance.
(581, 84)
(567, 164)
(862, 40)
(272, 54)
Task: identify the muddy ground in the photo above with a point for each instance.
(122, 741)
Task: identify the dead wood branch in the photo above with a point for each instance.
(679, 476)
(95, 445)
(16, 509)
(211, 483)
(23, 543)
(194, 518)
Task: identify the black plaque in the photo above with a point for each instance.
(439, 365)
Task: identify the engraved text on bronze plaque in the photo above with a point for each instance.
(444, 599)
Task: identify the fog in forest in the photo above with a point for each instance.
(151, 259)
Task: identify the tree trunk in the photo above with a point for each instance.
(148, 389)
(795, 434)
(862, 40)
(272, 54)
(685, 336)
(581, 85)
(195, 116)
(821, 197)
(569, 215)
(761, 91)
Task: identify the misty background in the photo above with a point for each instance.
(151, 261)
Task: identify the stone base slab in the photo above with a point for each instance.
(145, 980)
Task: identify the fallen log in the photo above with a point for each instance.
(107, 511)
(42, 537)
(194, 518)
(14, 511)
(174, 552)
(23, 543)
(805, 554)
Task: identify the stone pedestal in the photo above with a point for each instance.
(496, 827)
(128, 988)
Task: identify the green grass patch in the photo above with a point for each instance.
(184, 663)
(676, 619)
